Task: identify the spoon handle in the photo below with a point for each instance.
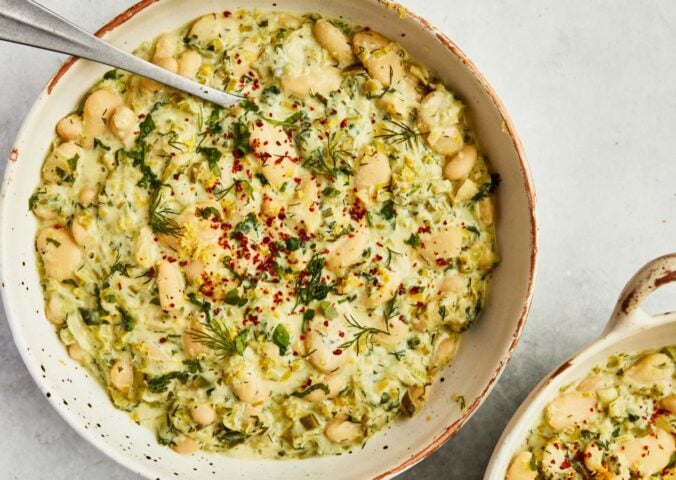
(27, 23)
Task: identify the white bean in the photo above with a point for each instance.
(251, 388)
(334, 41)
(461, 164)
(466, 191)
(397, 332)
(79, 232)
(69, 127)
(77, 353)
(669, 403)
(487, 211)
(441, 245)
(97, 110)
(55, 310)
(446, 140)
(185, 445)
(273, 147)
(123, 122)
(650, 454)
(189, 63)
(348, 250)
(322, 345)
(452, 283)
(339, 431)
(520, 468)
(594, 383)
(318, 80)
(60, 255)
(445, 351)
(87, 196)
(203, 414)
(122, 375)
(168, 63)
(655, 369)
(570, 410)
(145, 248)
(165, 46)
(171, 285)
(192, 347)
(373, 171)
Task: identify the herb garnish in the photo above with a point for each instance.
(317, 386)
(212, 155)
(487, 188)
(280, 337)
(400, 133)
(309, 283)
(159, 215)
(364, 332)
(161, 383)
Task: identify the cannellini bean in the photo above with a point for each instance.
(398, 331)
(461, 164)
(655, 369)
(447, 140)
(340, 430)
(203, 414)
(189, 63)
(274, 149)
(669, 403)
(487, 211)
(318, 80)
(165, 46)
(570, 410)
(192, 347)
(122, 375)
(45, 212)
(466, 191)
(171, 285)
(368, 41)
(452, 283)
(69, 127)
(185, 445)
(335, 384)
(251, 416)
(168, 63)
(322, 344)
(60, 255)
(391, 279)
(97, 110)
(441, 245)
(445, 351)
(193, 271)
(520, 468)
(554, 459)
(210, 27)
(251, 388)
(55, 311)
(87, 196)
(199, 228)
(77, 353)
(79, 232)
(649, 455)
(123, 122)
(145, 249)
(373, 171)
(348, 250)
(594, 383)
(381, 57)
(593, 457)
(334, 41)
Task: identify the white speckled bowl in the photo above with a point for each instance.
(484, 350)
(630, 329)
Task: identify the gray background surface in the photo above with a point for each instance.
(591, 87)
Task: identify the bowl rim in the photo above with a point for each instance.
(527, 183)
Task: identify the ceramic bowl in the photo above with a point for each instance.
(629, 330)
(484, 350)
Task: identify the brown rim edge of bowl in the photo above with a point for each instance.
(527, 181)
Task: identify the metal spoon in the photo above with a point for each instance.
(27, 23)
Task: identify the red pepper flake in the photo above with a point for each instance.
(442, 262)
(425, 229)
(163, 340)
(227, 14)
(343, 124)
(341, 334)
(565, 464)
(337, 351)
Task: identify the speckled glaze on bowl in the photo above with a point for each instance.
(484, 351)
(630, 329)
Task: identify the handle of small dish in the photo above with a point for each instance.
(653, 275)
(28, 23)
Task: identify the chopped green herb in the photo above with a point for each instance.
(212, 155)
(161, 384)
(240, 135)
(232, 298)
(317, 386)
(90, 317)
(487, 188)
(413, 240)
(208, 212)
(261, 178)
(309, 283)
(280, 337)
(388, 212)
(292, 244)
(128, 322)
